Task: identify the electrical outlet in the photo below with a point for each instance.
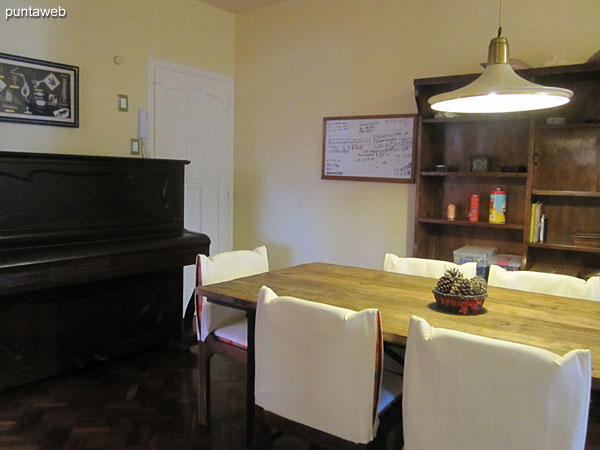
(134, 146)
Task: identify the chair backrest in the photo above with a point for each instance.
(431, 268)
(225, 267)
(545, 283)
(318, 365)
(468, 392)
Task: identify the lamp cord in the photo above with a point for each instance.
(500, 20)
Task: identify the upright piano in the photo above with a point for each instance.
(91, 257)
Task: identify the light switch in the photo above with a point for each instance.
(122, 103)
(134, 146)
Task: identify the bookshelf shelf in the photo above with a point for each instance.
(465, 223)
(563, 247)
(475, 174)
(474, 118)
(560, 193)
(566, 126)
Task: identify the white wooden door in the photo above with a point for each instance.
(191, 118)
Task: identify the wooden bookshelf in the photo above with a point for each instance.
(556, 164)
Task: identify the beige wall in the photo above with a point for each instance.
(185, 32)
(301, 60)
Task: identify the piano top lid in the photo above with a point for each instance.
(86, 158)
(57, 198)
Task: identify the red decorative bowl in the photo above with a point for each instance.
(461, 304)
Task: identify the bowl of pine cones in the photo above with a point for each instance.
(458, 294)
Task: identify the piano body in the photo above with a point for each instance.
(91, 256)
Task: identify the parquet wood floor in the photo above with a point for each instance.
(144, 401)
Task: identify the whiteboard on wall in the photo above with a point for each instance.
(369, 148)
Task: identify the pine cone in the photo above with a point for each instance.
(454, 273)
(462, 287)
(478, 286)
(445, 283)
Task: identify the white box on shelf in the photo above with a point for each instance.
(481, 255)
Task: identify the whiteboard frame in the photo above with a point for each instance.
(370, 178)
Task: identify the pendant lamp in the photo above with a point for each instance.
(499, 89)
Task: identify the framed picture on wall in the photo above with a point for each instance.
(38, 92)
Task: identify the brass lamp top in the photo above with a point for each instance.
(498, 51)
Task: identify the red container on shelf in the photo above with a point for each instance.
(474, 208)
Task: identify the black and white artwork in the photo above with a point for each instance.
(38, 92)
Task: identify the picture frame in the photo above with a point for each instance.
(480, 163)
(38, 92)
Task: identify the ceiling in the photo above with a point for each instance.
(235, 6)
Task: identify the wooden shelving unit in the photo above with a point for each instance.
(556, 164)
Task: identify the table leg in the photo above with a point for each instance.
(250, 382)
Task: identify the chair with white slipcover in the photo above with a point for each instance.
(308, 384)
(468, 392)
(545, 283)
(431, 268)
(221, 329)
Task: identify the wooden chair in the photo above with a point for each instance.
(221, 329)
(468, 392)
(319, 374)
(422, 267)
(545, 283)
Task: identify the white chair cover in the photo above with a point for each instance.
(431, 268)
(316, 364)
(545, 283)
(467, 392)
(225, 267)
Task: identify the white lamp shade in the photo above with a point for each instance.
(499, 89)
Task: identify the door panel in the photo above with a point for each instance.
(191, 118)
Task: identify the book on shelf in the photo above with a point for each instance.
(537, 210)
(532, 223)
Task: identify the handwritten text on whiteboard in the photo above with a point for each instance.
(369, 147)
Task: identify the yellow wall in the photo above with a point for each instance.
(301, 60)
(185, 32)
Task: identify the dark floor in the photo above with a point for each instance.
(145, 401)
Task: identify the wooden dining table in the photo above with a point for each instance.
(554, 323)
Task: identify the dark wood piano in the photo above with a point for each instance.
(91, 256)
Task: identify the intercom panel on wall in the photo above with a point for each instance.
(142, 124)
